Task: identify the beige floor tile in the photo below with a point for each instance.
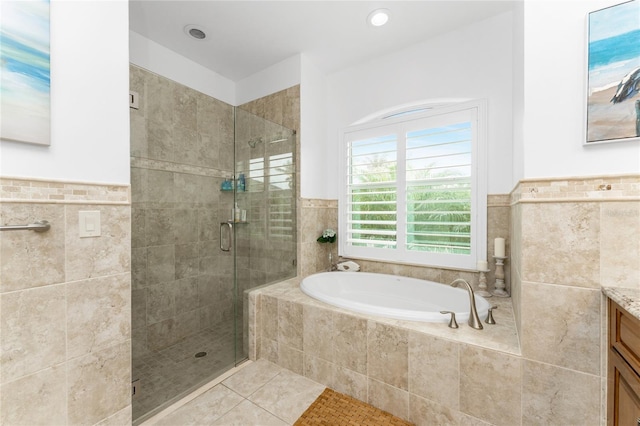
(205, 409)
(287, 395)
(252, 377)
(274, 396)
(248, 413)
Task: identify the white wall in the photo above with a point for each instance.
(152, 56)
(473, 62)
(277, 77)
(314, 155)
(89, 107)
(554, 96)
(518, 92)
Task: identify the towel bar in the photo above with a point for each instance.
(38, 226)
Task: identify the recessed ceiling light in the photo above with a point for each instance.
(195, 32)
(378, 17)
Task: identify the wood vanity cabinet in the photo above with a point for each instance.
(623, 378)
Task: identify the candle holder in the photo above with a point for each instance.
(499, 288)
(482, 284)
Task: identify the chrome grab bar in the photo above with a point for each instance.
(38, 226)
(229, 225)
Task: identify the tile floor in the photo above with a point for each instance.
(261, 393)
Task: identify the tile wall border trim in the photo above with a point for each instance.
(21, 190)
(586, 189)
(632, 176)
(575, 200)
(318, 203)
(166, 166)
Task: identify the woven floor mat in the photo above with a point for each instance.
(336, 409)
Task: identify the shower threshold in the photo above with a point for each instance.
(153, 418)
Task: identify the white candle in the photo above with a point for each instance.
(482, 265)
(499, 248)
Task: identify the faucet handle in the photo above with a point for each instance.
(490, 319)
(452, 322)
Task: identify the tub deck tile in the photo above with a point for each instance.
(502, 336)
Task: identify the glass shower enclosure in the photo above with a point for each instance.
(193, 258)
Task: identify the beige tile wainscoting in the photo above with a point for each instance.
(65, 305)
(570, 238)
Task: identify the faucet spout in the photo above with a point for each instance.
(474, 321)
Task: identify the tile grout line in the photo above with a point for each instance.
(230, 409)
(282, 369)
(263, 385)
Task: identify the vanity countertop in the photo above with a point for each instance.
(627, 298)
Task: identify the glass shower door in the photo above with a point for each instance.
(266, 241)
(189, 297)
(183, 297)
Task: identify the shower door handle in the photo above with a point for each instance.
(229, 226)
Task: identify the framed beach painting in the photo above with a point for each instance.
(613, 92)
(25, 71)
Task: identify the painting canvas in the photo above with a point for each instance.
(613, 96)
(25, 71)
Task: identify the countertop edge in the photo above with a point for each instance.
(627, 298)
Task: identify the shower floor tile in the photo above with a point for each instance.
(172, 372)
(260, 393)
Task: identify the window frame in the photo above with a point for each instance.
(400, 123)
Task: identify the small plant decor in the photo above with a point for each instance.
(328, 236)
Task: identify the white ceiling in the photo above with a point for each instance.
(244, 37)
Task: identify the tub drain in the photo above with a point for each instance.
(201, 354)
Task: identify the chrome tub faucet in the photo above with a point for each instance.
(474, 321)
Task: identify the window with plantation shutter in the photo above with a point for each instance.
(414, 188)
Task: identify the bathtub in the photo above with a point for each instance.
(392, 296)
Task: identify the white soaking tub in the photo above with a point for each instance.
(392, 296)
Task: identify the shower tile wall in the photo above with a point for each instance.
(273, 256)
(281, 108)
